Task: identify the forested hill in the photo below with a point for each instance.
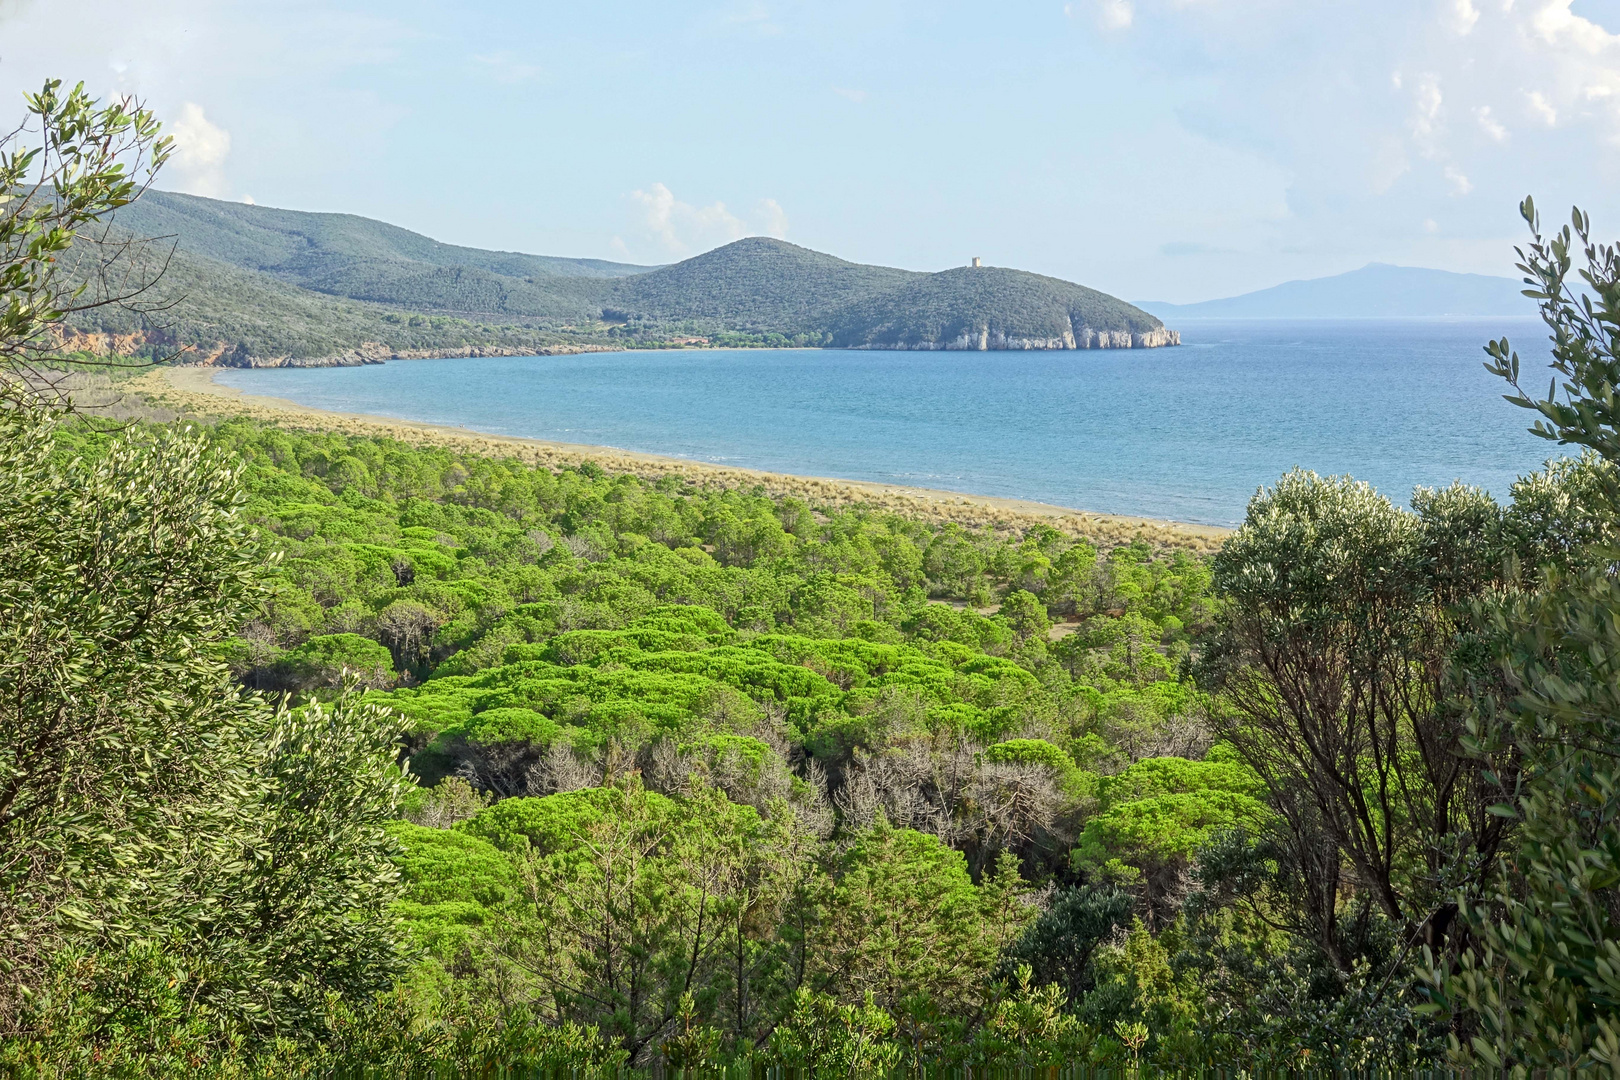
(758, 283)
(993, 308)
(304, 247)
(257, 285)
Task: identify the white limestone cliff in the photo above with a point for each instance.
(987, 340)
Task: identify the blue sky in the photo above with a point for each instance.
(1156, 149)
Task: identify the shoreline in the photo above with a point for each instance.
(193, 390)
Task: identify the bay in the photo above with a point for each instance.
(1184, 433)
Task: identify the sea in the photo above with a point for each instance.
(1186, 433)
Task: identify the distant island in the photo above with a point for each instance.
(255, 286)
(1377, 290)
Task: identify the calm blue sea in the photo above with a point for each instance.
(1183, 433)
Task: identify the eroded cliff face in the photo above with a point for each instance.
(103, 343)
(98, 342)
(987, 340)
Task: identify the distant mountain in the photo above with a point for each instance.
(254, 284)
(1377, 289)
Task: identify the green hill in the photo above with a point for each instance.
(988, 308)
(355, 257)
(754, 284)
(257, 284)
(468, 291)
(244, 317)
(295, 245)
(766, 285)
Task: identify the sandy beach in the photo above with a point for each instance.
(193, 391)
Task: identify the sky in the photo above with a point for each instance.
(1172, 150)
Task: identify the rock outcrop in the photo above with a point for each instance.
(987, 340)
(96, 342)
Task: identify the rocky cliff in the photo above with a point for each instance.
(987, 340)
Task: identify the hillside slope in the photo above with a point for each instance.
(294, 243)
(466, 291)
(223, 314)
(355, 257)
(255, 284)
(1375, 290)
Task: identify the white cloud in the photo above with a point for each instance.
(1542, 108)
(1502, 97)
(857, 96)
(773, 219)
(1116, 14)
(681, 229)
(289, 80)
(200, 149)
(1463, 15)
(1431, 226)
(1556, 24)
(1489, 124)
(1426, 103)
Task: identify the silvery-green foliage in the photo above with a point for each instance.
(126, 752)
(72, 161)
(1541, 994)
(317, 896)
(1334, 652)
(147, 801)
(1584, 317)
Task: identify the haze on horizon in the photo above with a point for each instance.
(1175, 150)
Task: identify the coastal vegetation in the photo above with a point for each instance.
(211, 312)
(325, 754)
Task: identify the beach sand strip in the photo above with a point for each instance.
(192, 391)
